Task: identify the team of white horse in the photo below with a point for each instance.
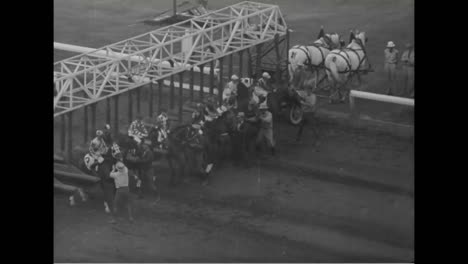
(328, 57)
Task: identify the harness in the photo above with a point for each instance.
(348, 60)
(303, 49)
(309, 59)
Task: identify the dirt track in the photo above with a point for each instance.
(358, 205)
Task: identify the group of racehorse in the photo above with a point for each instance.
(330, 57)
(193, 150)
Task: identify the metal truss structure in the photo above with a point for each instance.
(90, 77)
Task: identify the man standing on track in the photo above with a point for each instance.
(391, 59)
(266, 128)
(120, 176)
(407, 58)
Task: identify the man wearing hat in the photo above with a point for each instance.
(137, 129)
(98, 147)
(266, 128)
(122, 194)
(407, 58)
(391, 58)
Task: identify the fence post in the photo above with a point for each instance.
(160, 93)
(201, 81)
(220, 85)
(70, 137)
(241, 63)
(130, 107)
(230, 65)
(258, 65)
(85, 121)
(116, 115)
(62, 136)
(181, 99)
(171, 99)
(93, 119)
(150, 102)
(212, 77)
(191, 83)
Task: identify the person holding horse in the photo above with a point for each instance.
(391, 59)
(137, 129)
(266, 128)
(145, 166)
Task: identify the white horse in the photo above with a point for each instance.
(343, 64)
(313, 56)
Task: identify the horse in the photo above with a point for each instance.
(185, 151)
(218, 134)
(343, 64)
(313, 56)
(103, 170)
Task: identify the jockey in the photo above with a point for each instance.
(210, 111)
(137, 130)
(98, 147)
(198, 116)
(163, 118)
(230, 92)
(263, 87)
(161, 128)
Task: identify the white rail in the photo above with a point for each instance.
(378, 97)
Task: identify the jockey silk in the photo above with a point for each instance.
(137, 129)
(97, 147)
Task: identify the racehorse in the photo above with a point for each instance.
(185, 152)
(103, 170)
(218, 134)
(343, 64)
(313, 57)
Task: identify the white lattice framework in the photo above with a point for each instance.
(90, 77)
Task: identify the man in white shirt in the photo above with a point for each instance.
(391, 59)
(120, 176)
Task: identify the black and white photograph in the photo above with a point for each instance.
(264, 131)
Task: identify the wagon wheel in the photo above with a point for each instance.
(296, 114)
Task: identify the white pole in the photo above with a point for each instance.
(380, 97)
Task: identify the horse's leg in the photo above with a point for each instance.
(170, 161)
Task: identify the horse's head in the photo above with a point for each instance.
(335, 40)
(358, 41)
(230, 120)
